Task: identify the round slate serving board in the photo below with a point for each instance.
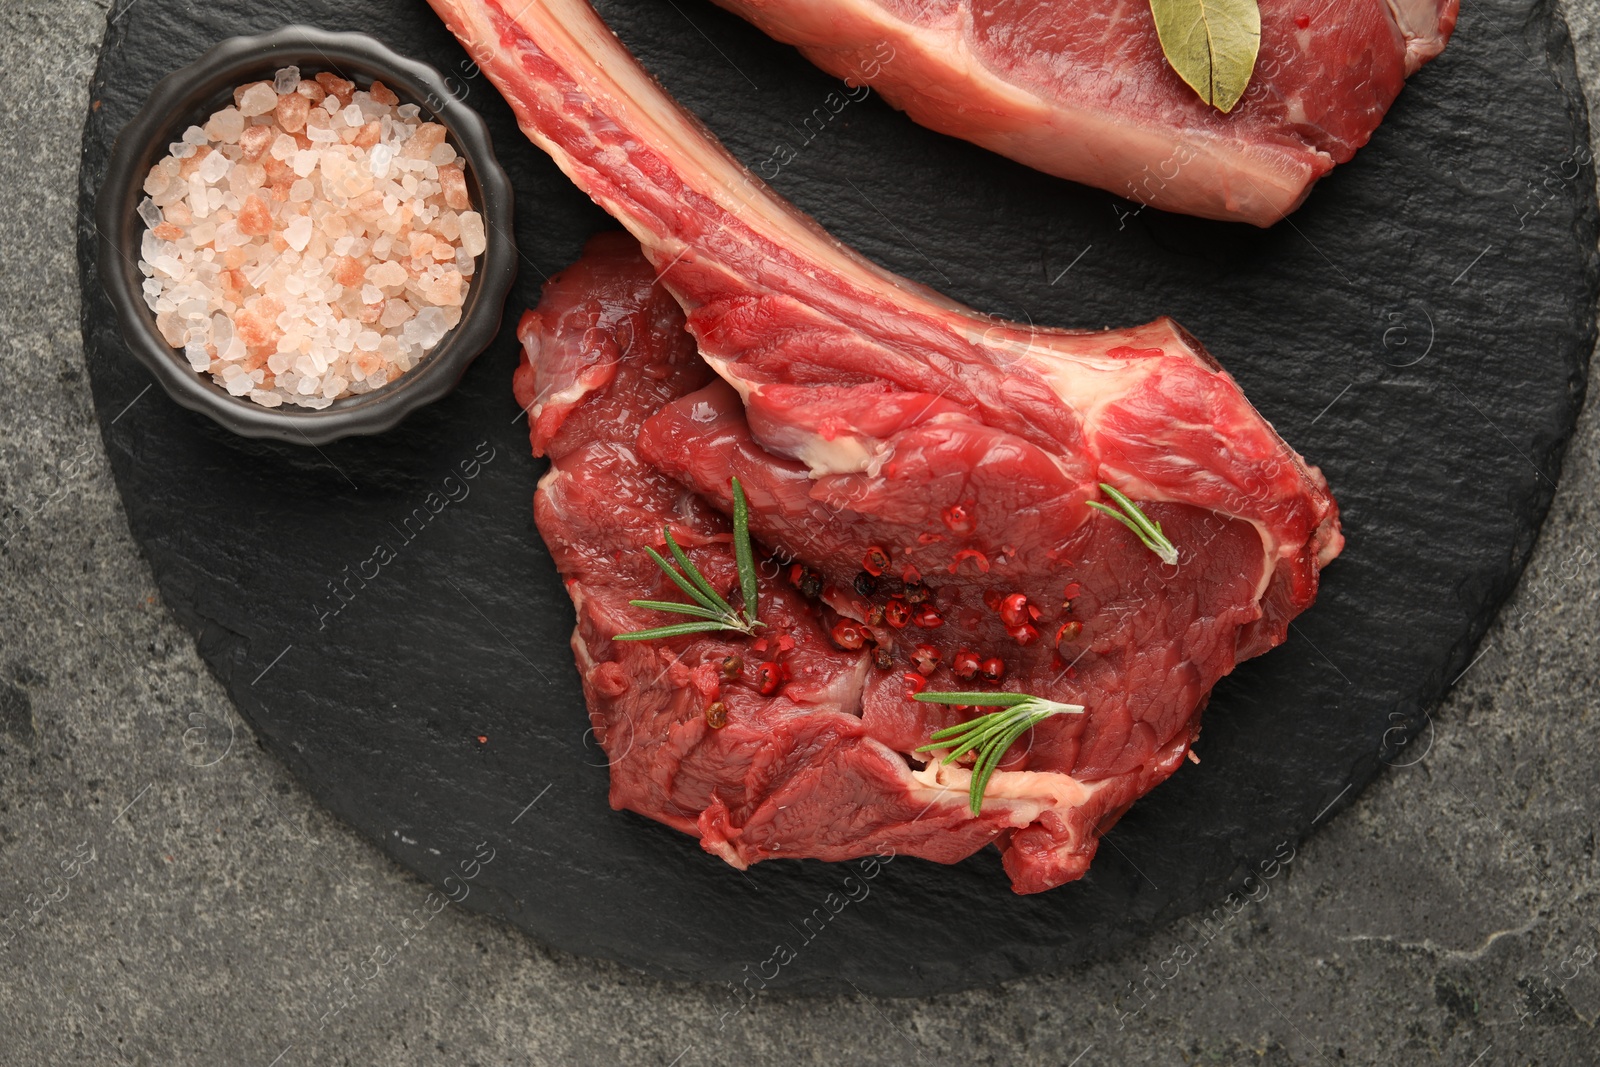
(1420, 330)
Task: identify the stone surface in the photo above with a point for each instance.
(389, 624)
(1446, 916)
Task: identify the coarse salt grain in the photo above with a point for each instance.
(258, 99)
(309, 242)
(298, 235)
(214, 167)
(473, 241)
(395, 313)
(387, 274)
(226, 125)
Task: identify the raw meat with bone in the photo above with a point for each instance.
(1080, 88)
(862, 411)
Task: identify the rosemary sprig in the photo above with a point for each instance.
(743, 558)
(1130, 516)
(990, 734)
(711, 609)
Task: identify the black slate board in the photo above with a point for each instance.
(1420, 330)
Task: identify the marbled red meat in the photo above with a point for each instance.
(871, 419)
(1080, 88)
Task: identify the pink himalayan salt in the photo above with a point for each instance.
(387, 275)
(254, 218)
(291, 112)
(275, 234)
(473, 239)
(225, 125)
(337, 87)
(382, 94)
(253, 141)
(257, 99)
(348, 273)
(454, 183)
(447, 290)
(428, 137)
(396, 312)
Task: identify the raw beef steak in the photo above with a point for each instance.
(1080, 88)
(921, 476)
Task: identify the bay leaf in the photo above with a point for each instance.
(1212, 44)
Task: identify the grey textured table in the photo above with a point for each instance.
(1449, 917)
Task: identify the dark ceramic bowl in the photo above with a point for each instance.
(187, 97)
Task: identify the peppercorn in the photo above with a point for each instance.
(959, 519)
(1014, 609)
(965, 664)
(716, 714)
(769, 677)
(1026, 634)
(848, 635)
(806, 579)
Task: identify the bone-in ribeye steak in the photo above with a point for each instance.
(861, 411)
(1080, 88)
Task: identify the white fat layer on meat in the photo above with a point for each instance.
(726, 852)
(1027, 794)
(843, 454)
(550, 477)
(543, 398)
(1088, 387)
(580, 648)
(570, 395)
(1418, 22)
(841, 692)
(727, 372)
